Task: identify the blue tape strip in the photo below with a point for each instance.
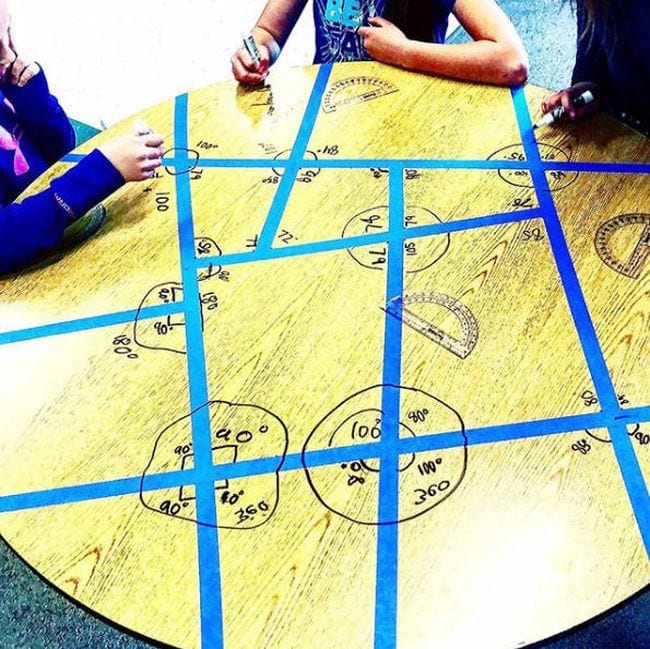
(598, 167)
(633, 478)
(73, 157)
(205, 472)
(421, 163)
(84, 324)
(207, 537)
(318, 247)
(335, 455)
(295, 160)
(388, 506)
(594, 357)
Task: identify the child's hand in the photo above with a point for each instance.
(136, 157)
(7, 55)
(384, 41)
(566, 98)
(21, 71)
(14, 69)
(246, 71)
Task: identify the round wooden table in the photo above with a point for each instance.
(366, 364)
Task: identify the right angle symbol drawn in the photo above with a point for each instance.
(239, 432)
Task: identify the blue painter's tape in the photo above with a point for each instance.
(295, 160)
(73, 157)
(635, 484)
(207, 535)
(85, 324)
(318, 247)
(388, 506)
(419, 163)
(242, 163)
(335, 455)
(598, 167)
(586, 331)
(577, 304)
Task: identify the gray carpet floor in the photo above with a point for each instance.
(34, 616)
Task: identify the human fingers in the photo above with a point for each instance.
(18, 67)
(150, 165)
(364, 32)
(7, 57)
(28, 73)
(246, 59)
(155, 153)
(378, 21)
(265, 60)
(153, 139)
(245, 76)
(146, 170)
(567, 103)
(551, 101)
(243, 61)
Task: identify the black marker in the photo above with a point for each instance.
(581, 100)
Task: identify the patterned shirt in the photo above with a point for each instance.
(337, 22)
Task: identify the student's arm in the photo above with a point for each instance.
(38, 112)
(270, 33)
(30, 228)
(495, 56)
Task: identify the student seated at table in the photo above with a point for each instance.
(405, 33)
(612, 62)
(35, 133)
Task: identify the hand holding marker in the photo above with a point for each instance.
(587, 97)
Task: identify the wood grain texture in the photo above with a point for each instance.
(500, 544)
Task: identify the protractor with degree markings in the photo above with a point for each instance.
(611, 242)
(461, 347)
(355, 90)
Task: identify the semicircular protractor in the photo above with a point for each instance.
(623, 243)
(355, 90)
(413, 317)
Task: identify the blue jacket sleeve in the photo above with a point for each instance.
(30, 228)
(40, 114)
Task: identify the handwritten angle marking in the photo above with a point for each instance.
(355, 90)
(461, 347)
(637, 259)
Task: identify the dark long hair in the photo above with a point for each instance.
(413, 17)
(601, 17)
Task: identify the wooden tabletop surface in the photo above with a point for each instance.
(365, 365)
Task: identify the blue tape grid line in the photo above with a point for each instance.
(86, 324)
(334, 455)
(390, 447)
(259, 255)
(206, 507)
(627, 460)
(388, 504)
(295, 159)
(323, 457)
(431, 163)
